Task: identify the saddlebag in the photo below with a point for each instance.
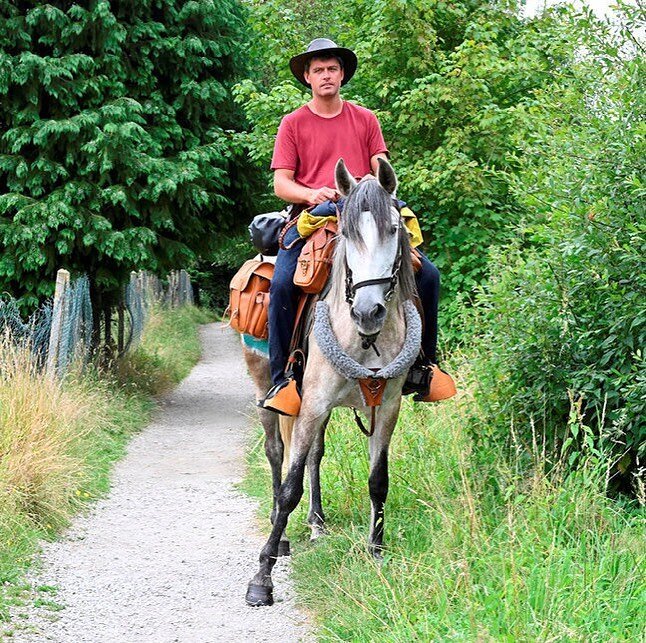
(249, 298)
(315, 261)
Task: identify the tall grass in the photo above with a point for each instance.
(478, 549)
(58, 439)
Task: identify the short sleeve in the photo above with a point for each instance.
(285, 154)
(376, 143)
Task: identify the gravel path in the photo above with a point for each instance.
(167, 556)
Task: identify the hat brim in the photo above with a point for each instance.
(349, 58)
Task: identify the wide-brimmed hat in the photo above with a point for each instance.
(322, 47)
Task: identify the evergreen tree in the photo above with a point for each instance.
(113, 149)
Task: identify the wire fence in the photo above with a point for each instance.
(68, 328)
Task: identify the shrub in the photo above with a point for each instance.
(561, 321)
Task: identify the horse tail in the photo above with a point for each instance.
(286, 425)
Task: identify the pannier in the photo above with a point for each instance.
(249, 298)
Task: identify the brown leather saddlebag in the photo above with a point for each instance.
(315, 261)
(249, 298)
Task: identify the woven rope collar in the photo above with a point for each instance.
(348, 366)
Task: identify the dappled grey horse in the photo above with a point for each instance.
(371, 297)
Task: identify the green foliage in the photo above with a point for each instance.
(114, 154)
(169, 348)
(529, 558)
(447, 82)
(561, 323)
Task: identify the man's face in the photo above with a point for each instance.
(325, 76)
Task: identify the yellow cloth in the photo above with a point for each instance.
(307, 223)
(412, 225)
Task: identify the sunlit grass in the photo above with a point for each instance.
(478, 550)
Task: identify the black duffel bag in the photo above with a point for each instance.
(265, 229)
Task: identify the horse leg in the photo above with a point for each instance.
(274, 449)
(259, 591)
(378, 479)
(316, 518)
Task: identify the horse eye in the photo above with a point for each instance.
(393, 228)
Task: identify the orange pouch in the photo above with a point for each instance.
(249, 298)
(315, 261)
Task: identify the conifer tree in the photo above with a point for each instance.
(113, 151)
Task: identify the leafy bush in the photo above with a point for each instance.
(561, 323)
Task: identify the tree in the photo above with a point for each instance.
(113, 150)
(447, 81)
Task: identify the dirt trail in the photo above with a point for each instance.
(166, 557)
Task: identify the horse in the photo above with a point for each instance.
(370, 299)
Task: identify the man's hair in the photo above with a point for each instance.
(323, 57)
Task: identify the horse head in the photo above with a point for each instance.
(374, 249)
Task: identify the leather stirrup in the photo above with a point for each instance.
(442, 386)
(284, 398)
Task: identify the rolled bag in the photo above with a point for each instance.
(324, 213)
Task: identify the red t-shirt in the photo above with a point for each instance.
(311, 145)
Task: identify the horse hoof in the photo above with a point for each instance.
(259, 596)
(377, 554)
(283, 548)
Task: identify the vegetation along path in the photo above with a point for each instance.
(167, 556)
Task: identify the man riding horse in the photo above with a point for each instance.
(309, 143)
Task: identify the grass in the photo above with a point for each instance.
(58, 440)
(478, 549)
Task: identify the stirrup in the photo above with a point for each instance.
(283, 398)
(418, 379)
(441, 387)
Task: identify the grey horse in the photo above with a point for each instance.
(372, 285)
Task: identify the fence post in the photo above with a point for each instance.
(58, 319)
(121, 324)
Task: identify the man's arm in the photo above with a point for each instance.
(288, 190)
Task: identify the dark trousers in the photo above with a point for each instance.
(283, 300)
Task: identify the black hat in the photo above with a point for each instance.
(322, 47)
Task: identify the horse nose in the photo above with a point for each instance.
(374, 316)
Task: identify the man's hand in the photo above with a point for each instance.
(323, 194)
(288, 190)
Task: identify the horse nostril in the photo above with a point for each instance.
(378, 312)
(355, 315)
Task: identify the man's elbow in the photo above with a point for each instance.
(279, 188)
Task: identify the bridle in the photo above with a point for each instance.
(351, 288)
(372, 381)
(368, 341)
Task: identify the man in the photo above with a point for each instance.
(310, 141)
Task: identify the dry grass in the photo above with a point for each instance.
(41, 422)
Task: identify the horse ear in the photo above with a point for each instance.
(344, 180)
(386, 176)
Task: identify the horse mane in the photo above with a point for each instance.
(369, 195)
